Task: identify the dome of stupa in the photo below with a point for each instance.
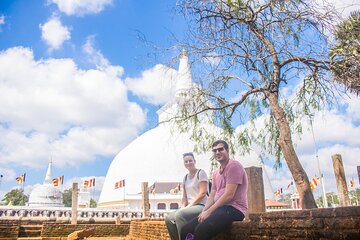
(46, 195)
(156, 155)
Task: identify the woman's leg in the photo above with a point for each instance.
(184, 215)
(217, 222)
(171, 226)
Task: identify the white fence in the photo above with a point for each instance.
(65, 212)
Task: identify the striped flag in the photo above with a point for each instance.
(288, 186)
(152, 189)
(21, 178)
(314, 182)
(278, 192)
(351, 183)
(176, 189)
(58, 181)
(120, 184)
(89, 183)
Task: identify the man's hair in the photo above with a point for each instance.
(189, 154)
(226, 146)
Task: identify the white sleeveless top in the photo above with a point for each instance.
(192, 186)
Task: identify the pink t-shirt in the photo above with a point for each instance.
(233, 173)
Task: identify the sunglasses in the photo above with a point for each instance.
(215, 150)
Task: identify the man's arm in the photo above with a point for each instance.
(228, 195)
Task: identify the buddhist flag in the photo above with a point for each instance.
(288, 186)
(351, 183)
(314, 182)
(58, 181)
(21, 178)
(89, 183)
(120, 184)
(152, 189)
(176, 189)
(278, 192)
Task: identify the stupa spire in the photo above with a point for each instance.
(184, 78)
(48, 178)
(184, 52)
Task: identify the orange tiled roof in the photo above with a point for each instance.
(274, 203)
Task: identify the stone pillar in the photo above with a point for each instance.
(358, 170)
(255, 194)
(145, 199)
(74, 203)
(340, 180)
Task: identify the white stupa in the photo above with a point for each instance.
(46, 195)
(155, 156)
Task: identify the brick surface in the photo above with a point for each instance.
(341, 223)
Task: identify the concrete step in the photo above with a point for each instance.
(30, 231)
(29, 238)
(31, 227)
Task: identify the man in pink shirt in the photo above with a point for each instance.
(227, 201)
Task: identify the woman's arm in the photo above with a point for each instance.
(202, 193)
(184, 201)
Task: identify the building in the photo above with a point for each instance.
(163, 196)
(273, 205)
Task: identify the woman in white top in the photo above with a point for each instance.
(194, 196)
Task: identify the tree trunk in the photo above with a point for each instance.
(307, 200)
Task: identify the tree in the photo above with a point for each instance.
(15, 197)
(248, 51)
(332, 199)
(345, 54)
(354, 196)
(67, 197)
(93, 203)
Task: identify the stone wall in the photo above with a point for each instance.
(101, 230)
(150, 229)
(331, 223)
(9, 230)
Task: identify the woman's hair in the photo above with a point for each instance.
(189, 154)
(226, 146)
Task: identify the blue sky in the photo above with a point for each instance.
(78, 83)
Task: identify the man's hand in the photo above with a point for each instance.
(204, 215)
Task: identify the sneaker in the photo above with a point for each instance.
(190, 236)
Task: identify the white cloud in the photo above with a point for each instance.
(81, 7)
(345, 7)
(156, 85)
(95, 57)
(2, 19)
(54, 33)
(212, 58)
(52, 107)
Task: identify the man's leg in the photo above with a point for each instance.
(217, 222)
(171, 226)
(184, 215)
(189, 228)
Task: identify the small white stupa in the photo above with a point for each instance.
(156, 155)
(46, 195)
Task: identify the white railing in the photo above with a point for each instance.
(65, 212)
